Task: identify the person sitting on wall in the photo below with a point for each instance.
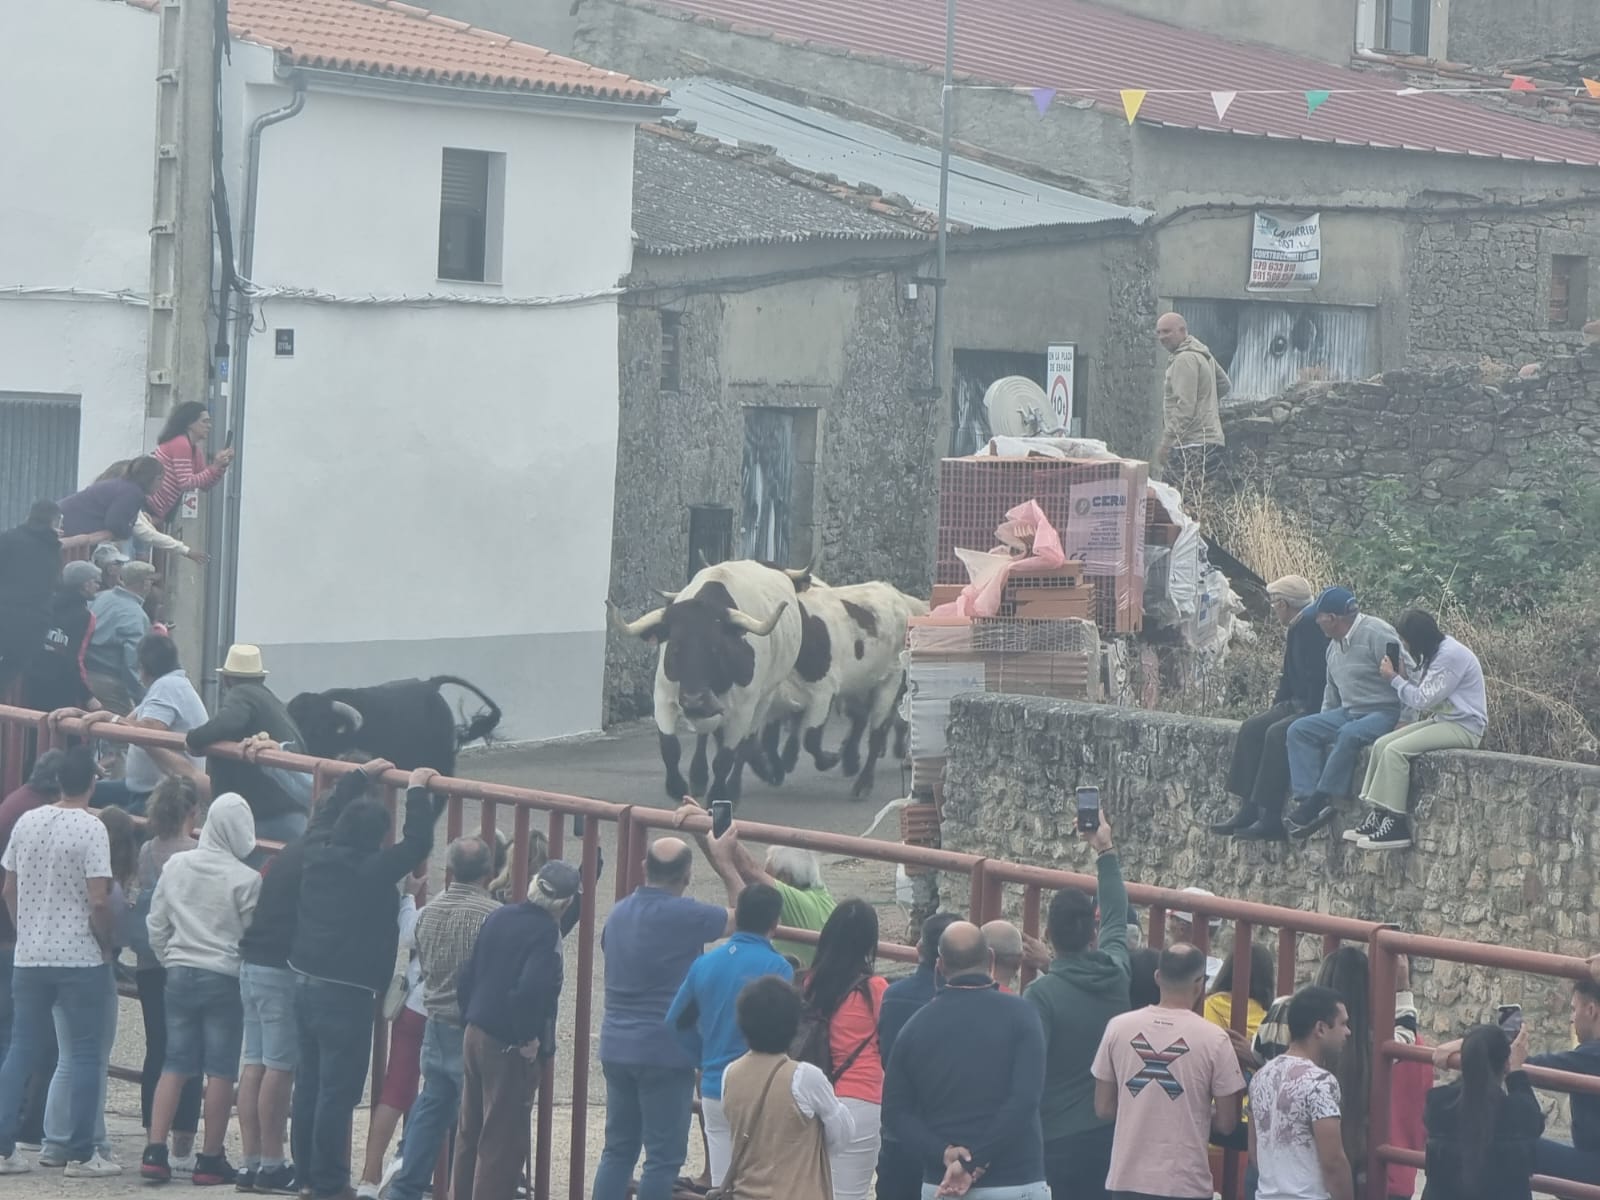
(1446, 709)
(1358, 707)
(1259, 772)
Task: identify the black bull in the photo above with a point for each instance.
(406, 721)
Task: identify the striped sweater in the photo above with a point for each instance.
(185, 469)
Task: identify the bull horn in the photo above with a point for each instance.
(704, 561)
(669, 597)
(349, 714)
(749, 624)
(799, 573)
(639, 628)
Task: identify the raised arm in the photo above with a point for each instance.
(395, 862)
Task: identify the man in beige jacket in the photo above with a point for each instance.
(1195, 382)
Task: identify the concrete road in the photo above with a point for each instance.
(622, 767)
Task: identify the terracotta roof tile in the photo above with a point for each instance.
(1090, 50)
(400, 41)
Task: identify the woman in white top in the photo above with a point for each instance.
(1445, 709)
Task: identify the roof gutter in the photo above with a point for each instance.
(223, 581)
(425, 92)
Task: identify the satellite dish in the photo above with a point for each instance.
(1017, 406)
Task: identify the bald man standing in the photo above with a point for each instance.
(1191, 430)
(650, 941)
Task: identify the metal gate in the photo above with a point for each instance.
(38, 451)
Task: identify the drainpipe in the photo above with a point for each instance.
(222, 583)
(947, 99)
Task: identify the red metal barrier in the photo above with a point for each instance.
(993, 886)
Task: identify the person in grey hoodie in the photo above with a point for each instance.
(1358, 707)
(201, 908)
(1085, 987)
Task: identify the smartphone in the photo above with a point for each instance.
(1088, 809)
(227, 442)
(1392, 650)
(721, 817)
(1510, 1020)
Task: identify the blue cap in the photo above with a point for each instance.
(558, 880)
(1337, 602)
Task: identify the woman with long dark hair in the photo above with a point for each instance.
(1482, 1129)
(842, 990)
(181, 448)
(1263, 988)
(1445, 709)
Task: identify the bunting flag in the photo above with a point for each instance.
(1593, 86)
(1316, 99)
(1521, 83)
(1133, 101)
(1222, 101)
(1042, 98)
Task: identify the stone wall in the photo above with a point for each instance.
(852, 350)
(1436, 436)
(1492, 33)
(1506, 847)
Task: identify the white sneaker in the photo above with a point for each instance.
(31, 1147)
(15, 1164)
(366, 1190)
(181, 1166)
(92, 1168)
(389, 1173)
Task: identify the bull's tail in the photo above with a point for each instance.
(482, 723)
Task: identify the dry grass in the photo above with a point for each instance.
(1270, 539)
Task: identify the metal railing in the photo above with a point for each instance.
(988, 880)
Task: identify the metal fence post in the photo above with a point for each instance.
(1380, 1006)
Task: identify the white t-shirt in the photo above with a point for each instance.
(173, 701)
(53, 853)
(1287, 1096)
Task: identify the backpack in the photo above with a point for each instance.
(812, 1044)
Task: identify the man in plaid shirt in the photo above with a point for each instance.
(446, 932)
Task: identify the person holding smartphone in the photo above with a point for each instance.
(1483, 1128)
(1446, 708)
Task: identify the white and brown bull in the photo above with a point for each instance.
(728, 641)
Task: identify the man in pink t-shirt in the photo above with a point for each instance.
(1170, 1078)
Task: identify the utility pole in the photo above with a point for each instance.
(178, 353)
(947, 99)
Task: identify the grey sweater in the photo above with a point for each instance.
(1353, 679)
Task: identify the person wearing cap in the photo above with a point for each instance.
(108, 556)
(55, 677)
(246, 710)
(346, 935)
(1259, 772)
(1358, 707)
(1180, 928)
(507, 992)
(120, 621)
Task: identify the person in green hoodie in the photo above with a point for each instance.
(1086, 986)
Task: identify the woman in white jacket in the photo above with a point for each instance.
(1445, 708)
(201, 908)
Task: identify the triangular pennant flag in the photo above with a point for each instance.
(1133, 101)
(1521, 83)
(1316, 99)
(1594, 87)
(1222, 101)
(1042, 98)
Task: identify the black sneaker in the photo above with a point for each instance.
(212, 1170)
(1265, 830)
(1309, 816)
(153, 1167)
(246, 1181)
(1243, 819)
(1393, 833)
(1369, 826)
(277, 1181)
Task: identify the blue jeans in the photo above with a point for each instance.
(205, 1024)
(81, 992)
(335, 1022)
(1566, 1162)
(58, 1101)
(115, 793)
(1323, 748)
(1022, 1191)
(433, 1116)
(646, 1107)
(6, 956)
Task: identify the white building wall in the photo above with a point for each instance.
(429, 490)
(77, 144)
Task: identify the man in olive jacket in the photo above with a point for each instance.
(1085, 987)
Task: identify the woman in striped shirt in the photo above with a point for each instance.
(181, 449)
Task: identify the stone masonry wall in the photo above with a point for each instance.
(1506, 847)
(1438, 436)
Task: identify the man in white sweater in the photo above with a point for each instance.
(201, 908)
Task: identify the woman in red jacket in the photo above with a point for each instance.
(181, 449)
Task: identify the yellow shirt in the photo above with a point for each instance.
(1219, 1011)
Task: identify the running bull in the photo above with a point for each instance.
(406, 721)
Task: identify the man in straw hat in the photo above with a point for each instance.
(248, 710)
(1259, 773)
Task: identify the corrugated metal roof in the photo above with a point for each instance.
(692, 193)
(981, 197)
(1084, 49)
